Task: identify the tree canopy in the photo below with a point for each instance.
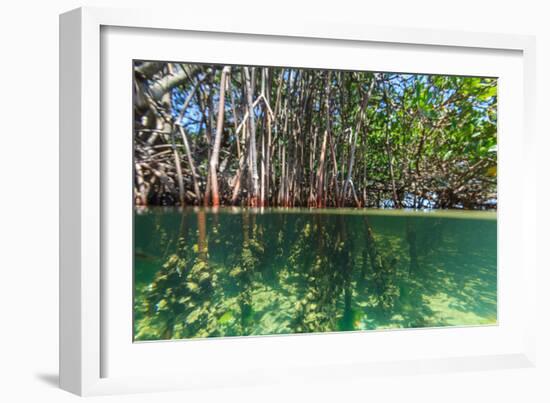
(292, 137)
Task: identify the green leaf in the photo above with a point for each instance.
(491, 92)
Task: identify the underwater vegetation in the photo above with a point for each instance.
(238, 272)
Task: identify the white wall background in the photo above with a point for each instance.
(29, 198)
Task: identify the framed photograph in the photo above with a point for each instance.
(245, 204)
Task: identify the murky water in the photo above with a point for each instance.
(235, 272)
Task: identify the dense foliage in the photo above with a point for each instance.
(271, 136)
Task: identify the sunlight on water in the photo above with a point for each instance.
(235, 272)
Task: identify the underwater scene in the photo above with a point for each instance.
(220, 272)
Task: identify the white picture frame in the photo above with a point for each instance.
(88, 330)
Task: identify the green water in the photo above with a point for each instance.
(236, 272)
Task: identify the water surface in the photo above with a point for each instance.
(236, 272)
